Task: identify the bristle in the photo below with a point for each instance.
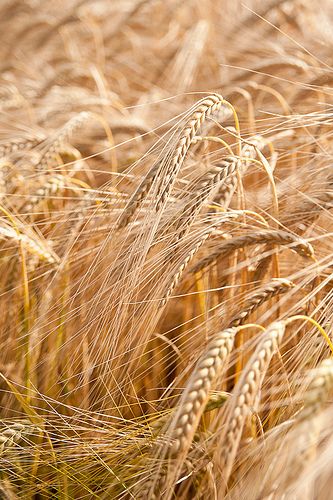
(166, 262)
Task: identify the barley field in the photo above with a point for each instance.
(166, 249)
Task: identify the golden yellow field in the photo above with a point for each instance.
(166, 258)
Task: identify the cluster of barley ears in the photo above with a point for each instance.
(166, 195)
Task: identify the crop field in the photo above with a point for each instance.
(166, 249)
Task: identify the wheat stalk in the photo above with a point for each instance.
(319, 382)
(244, 398)
(53, 185)
(176, 277)
(194, 250)
(278, 237)
(12, 434)
(51, 147)
(196, 392)
(240, 405)
(262, 267)
(33, 246)
(202, 190)
(215, 400)
(138, 196)
(248, 152)
(272, 289)
(179, 433)
(186, 261)
(203, 109)
(307, 425)
(15, 145)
